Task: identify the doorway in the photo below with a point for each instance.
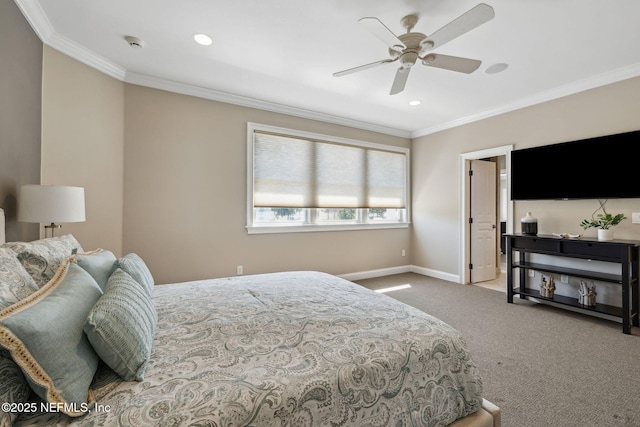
(503, 215)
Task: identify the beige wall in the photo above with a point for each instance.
(20, 101)
(166, 176)
(82, 144)
(436, 176)
(185, 195)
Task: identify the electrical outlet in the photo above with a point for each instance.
(635, 218)
(564, 278)
(532, 273)
(239, 270)
(404, 253)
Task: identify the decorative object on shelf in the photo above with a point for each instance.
(587, 294)
(50, 204)
(567, 235)
(547, 288)
(603, 222)
(529, 224)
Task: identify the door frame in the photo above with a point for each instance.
(465, 208)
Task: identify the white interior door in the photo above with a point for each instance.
(483, 221)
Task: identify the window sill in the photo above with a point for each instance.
(309, 228)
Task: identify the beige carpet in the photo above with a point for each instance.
(543, 366)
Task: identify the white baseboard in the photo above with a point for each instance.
(376, 273)
(361, 275)
(436, 273)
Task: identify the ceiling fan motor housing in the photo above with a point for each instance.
(410, 54)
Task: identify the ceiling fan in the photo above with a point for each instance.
(409, 47)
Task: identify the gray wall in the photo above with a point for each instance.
(20, 116)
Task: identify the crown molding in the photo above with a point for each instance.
(229, 98)
(36, 18)
(87, 57)
(569, 89)
(45, 31)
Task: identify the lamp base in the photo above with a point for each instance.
(53, 228)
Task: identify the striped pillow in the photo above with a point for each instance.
(121, 326)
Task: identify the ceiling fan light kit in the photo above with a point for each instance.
(409, 47)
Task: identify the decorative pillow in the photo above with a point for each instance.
(98, 264)
(135, 266)
(15, 282)
(45, 336)
(15, 285)
(6, 419)
(13, 385)
(121, 326)
(42, 258)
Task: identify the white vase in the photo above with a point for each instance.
(605, 234)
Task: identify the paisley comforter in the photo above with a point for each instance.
(288, 349)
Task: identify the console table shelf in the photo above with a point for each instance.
(584, 274)
(626, 253)
(573, 302)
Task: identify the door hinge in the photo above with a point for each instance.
(470, 266)
(470, 220)
(470, 172)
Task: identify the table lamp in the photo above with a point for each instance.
(51, 204)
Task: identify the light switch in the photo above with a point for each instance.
(635, 218)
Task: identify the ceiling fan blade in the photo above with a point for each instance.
(378, 29)
(362, 67)
(466, 22)
(453, 63)
(400, 81)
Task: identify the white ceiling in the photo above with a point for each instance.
(280, 55)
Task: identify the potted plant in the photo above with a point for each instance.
(603, 222)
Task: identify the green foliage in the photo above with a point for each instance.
(284, 212)
(603, 221)
(377, 212)
(347, 213)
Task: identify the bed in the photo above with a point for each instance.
(281, 349)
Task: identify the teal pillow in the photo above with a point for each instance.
(135, 266)
(45, 336)
(13, 386)
(122, 325)
(98, 264)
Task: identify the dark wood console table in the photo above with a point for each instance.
(623, 252)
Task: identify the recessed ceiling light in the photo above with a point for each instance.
(415, 103)
(496, 68)
(202, 39)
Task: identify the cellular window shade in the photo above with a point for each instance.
(299, 173)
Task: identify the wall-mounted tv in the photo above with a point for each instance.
(604, 167)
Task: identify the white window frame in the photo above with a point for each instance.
(363, 224)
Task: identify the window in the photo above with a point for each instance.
(299, 181)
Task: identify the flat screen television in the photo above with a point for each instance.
(605, 167)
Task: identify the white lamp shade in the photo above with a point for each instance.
(51, 204)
